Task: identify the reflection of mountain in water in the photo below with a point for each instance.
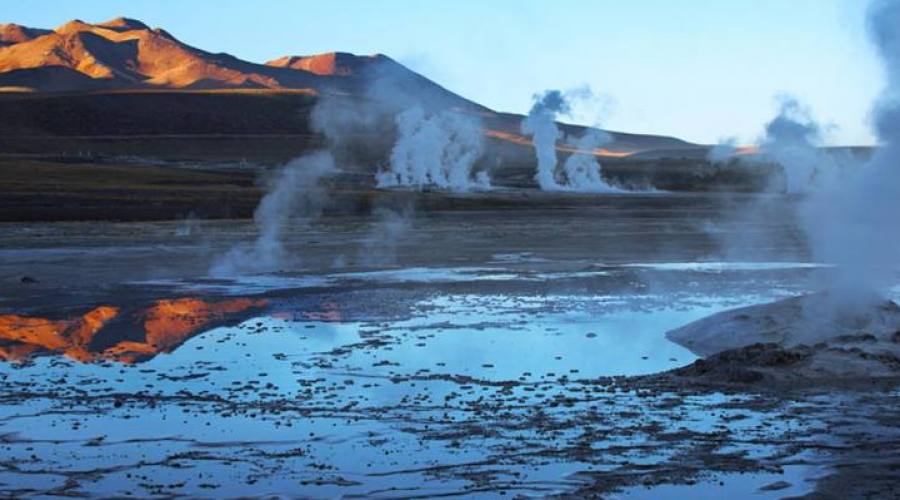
(113, 333)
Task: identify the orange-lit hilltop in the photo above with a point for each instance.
(141, 334)
(126, 56)
(526, 141)
(121, 53)
(11, 34)
(330, 64)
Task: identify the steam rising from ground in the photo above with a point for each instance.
(541, 125)
(294, 194)
(851, 220)
(792, 140)
(856, 225)
(580, 172)
(850, 208)
(436, 149)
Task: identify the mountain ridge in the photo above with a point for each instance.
(125, 54)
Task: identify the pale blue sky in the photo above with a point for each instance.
(696, 69)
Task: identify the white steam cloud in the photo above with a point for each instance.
(792, 140)
(436, 149)
(580, 172)
(541, 125)
(295, 193)
(854, 225)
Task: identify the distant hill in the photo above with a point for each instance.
(41, 70)
(126, 54)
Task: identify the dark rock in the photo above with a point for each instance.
(737, 365)
(776, 486)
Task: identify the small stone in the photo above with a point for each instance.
(777, 485)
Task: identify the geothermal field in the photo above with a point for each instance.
(328, 276)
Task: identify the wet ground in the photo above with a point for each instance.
(491, 353)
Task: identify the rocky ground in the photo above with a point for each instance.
(807, 340)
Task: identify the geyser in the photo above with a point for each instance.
(849, 329)
(580, 172)
(855, 225)
(436, 149)
(294, 193)
(541, 125)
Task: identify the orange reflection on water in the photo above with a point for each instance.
(164, 325)
(24, 335)
(328, 313)
(169, 323)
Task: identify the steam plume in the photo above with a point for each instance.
(860, 232)
(791, 140)
(541, 125)
(294, 193)
(436, 149)
(581, 169)
(580, 172)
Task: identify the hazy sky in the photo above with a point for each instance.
(696, 69)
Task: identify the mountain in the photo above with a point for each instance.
(11, 34)
(126, 54)
(123, 78)
(329, 64)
